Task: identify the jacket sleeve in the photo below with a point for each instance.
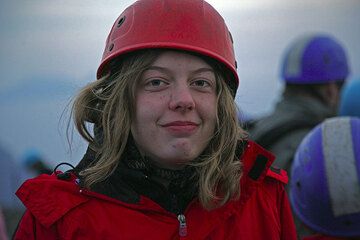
(288, 230)
(30, 229)
(287, 227)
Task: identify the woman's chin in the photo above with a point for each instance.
(173, 160)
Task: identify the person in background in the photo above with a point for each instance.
(314, 68)
(325, 180)
(350, 99)
(11, 177)
(167, 158)
(35, 163)
(3, 231)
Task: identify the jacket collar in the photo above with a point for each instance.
(48, 198)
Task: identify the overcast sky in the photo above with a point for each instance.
(49, 49)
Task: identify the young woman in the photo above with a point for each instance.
(167, 158)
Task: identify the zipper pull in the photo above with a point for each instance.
(182, 225)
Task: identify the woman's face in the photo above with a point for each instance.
(175, 111)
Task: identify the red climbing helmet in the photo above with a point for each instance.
(190, 25)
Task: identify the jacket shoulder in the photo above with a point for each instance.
(256, 160)
(48, 198)
(278, 174)
(257, 164)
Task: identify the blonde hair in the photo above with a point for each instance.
(109, 103)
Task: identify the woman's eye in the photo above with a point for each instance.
(201, 83)
(155, 84)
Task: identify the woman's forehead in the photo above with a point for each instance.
(172, 58)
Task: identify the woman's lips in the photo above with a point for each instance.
(181, 126)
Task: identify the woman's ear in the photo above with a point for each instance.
(334, 92)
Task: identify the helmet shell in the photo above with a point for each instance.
(350, 99)
(325, 178)
(190, 25)
(314, 59)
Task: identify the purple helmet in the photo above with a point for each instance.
(315, 59)
(325, 178)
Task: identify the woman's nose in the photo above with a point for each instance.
(181, 99)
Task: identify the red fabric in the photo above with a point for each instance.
(59, 209)
(281, 176)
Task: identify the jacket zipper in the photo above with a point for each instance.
(182, 225)
(180, 216)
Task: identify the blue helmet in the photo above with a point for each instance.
(325, 178)
(350, 99)
(314, 59)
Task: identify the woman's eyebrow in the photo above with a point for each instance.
(204, 69)
(166, 70)
(158, 68)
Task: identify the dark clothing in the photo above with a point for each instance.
(137, 176)
(323, 237)
(282, 131)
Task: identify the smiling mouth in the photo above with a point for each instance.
(181, 127)
(180, 124)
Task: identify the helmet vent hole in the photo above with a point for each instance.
(298, 185)
(121, 21)
(111, 47)
(231, 38)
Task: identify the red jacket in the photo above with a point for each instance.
(59, 209)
